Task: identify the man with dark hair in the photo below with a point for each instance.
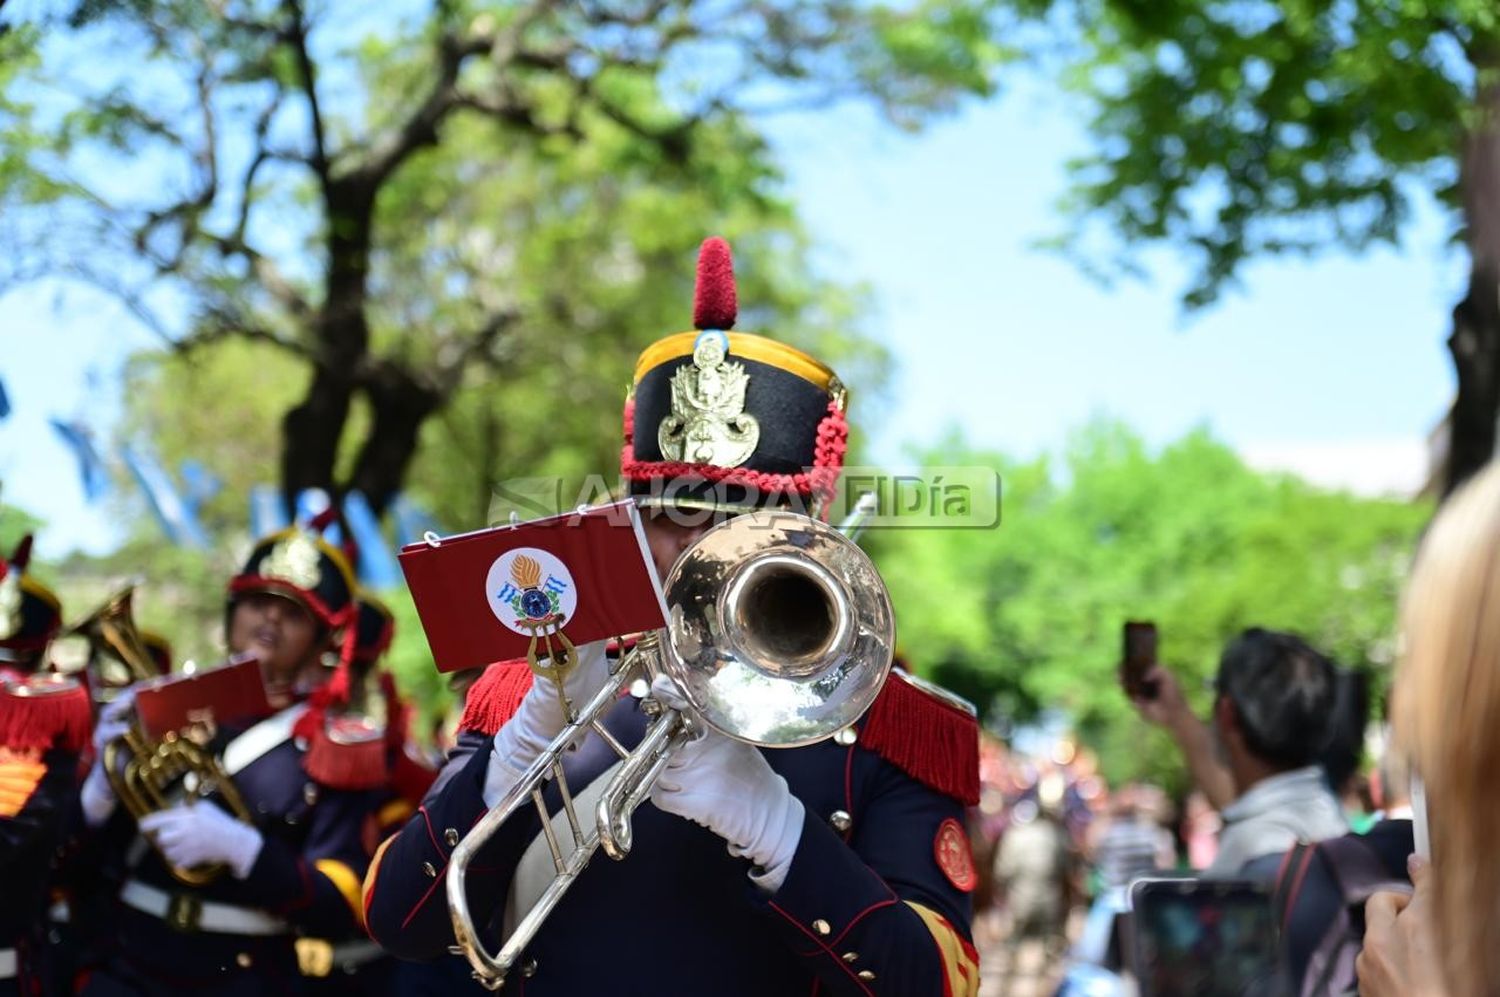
(1259, 762)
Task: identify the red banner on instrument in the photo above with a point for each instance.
(483, 595)
(232, 693)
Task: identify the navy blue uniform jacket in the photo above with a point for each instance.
(871, 904)
(307, 873)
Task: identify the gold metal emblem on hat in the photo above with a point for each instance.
(10, 605)
(708, 423)
(294, 559)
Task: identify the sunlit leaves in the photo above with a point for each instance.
(1235, 129)
(1030, 614)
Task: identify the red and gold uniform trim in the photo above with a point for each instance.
(20, 774)
(959, 958)
(346, 882)
(371, 875)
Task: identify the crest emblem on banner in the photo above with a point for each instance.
(530, 590)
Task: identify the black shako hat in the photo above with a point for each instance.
(30, 612)
(730, 420)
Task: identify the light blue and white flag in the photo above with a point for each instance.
(91, 470)
(377, 562)
(177, 519)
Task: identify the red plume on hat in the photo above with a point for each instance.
(715, 305)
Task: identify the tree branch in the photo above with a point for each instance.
(236, 243)
(262, 155)
(515, 113)
(187, 212)
(420, 129)
(111, 285)
(208, 156)
(671, 139)
(221, 326)
(477, 345)
(296, 35)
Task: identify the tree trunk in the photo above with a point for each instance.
(1475, 343)
(399, 406)
(312, 429)
(310, 434)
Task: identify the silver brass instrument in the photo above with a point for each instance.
(780, 633)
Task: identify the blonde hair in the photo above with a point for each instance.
(1447, 715)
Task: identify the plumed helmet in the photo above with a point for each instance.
(723, 419)
(298, 564)
(30, 612)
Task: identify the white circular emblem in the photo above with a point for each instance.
(530, 589)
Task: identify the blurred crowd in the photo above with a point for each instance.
(1059, 847)
(1358, 853)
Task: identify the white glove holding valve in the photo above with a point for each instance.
(728, 787)
(539, 719)
(200, 833)
(97, 795)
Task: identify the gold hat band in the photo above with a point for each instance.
(742, 345)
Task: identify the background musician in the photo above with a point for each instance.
(44, 724)
(294, 867)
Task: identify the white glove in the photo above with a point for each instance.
(200, 833)
(97, 795)
(728, 787)
(539, 719)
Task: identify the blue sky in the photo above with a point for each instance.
(1334, 367)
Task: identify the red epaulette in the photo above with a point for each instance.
(495, 696)
(926, 732)
(348, 753)
(42, 712)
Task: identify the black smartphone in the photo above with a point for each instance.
(1207, 938)
(1139, 657)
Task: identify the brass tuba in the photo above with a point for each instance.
(780, 633)
(113, 637)
(150, 775)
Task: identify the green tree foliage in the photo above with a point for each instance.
(417, 203)
(1232, 129)
(1028, 616)
(423, 248)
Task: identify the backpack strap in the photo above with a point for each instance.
(1289, 880)
(1358, 871)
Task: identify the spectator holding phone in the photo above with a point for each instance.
(1445, 939)
(1258, 761)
